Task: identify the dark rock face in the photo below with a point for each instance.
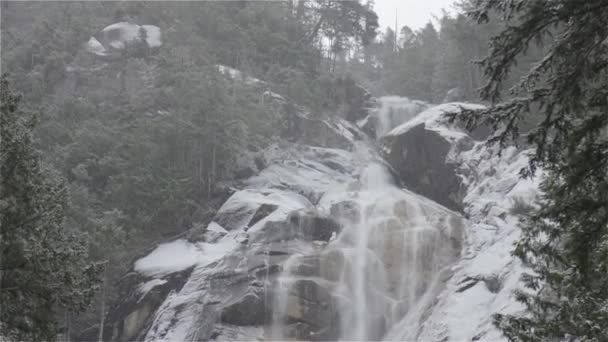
(263, 211)
(248, 309)
(348, 210)
(326, 265)
(369, 126)
(419, 158)
(312, 312)
(130, 318)
(274, 232)
(311, 227)
(356, 98)
(232, 218)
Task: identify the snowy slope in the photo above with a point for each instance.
(484, 280)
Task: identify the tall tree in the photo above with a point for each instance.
(565, 241)
(43, 266)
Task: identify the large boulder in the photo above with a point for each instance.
(311, 312)
(419, 157)
(115, 38)
(249, 308)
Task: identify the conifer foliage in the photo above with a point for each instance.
(565, 241)
(43, 266)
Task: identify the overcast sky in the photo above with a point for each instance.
(413, 13)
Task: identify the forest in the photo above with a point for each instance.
(107, 155)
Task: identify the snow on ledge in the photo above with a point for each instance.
(434, 120)
(168, 258)
(180, 254)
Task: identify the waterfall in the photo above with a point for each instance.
(395, 110)
(393, 250)
(321, 245)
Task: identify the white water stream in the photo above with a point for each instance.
(395, 110)
(375, 280)
(393, 250)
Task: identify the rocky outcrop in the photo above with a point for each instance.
(140, 298)
(250, 308)
(118, 37)
(312, 227)
(311, 312)
(419, 157)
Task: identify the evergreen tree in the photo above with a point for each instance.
(565, 242)
(43, 266)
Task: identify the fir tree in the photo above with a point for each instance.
(565, 242)
(43, 266)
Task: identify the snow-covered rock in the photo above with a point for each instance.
(423, 152)
(322, 243)
(117, 36)
(485, 278)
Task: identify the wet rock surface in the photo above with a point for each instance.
(311, 312)
(419, 157)
(251, 308)
(317, 246)
(128, 319)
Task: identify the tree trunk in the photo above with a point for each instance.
(68, 327)
(102, 311)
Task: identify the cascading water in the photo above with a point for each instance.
(393, 250)
(340, 252)
(395, 110)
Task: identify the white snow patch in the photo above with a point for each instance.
(239, 75)
(180, 254)
(95, 47)
(168, 258)
(153, 35)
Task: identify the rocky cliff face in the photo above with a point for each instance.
(320, 241)
(485, 187)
